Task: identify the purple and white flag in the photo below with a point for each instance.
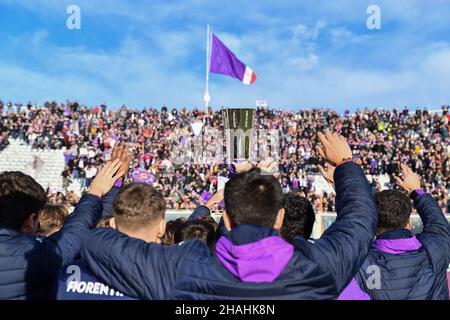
(223, 61)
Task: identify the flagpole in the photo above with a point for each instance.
(207, 97)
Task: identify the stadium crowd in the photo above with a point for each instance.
(381, 140)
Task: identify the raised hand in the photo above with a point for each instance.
(106, 178)
(243, 166)
(328, 174)
(267, 166)
(215, 199)
(122, 152)
(410, 181)
(334, 148)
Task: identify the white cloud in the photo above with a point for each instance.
(344, 36)
(306, 63)
(166, 64)
(304, 33)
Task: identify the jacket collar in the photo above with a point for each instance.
(397, 242)
(396, 234)
(248, 233)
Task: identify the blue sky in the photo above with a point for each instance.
(151, 53)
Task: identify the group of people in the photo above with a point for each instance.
(381, 141)
(117, 245)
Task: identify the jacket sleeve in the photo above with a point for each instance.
(75, 229)
(204, 211)
(199, 212)
(108, 200)
(344, 245)
(436, 229)
(136, 268)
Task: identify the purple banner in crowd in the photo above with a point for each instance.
(142, 175)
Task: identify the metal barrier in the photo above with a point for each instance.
(323, 220)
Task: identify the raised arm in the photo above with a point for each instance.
(435, 225)
(120, 151)
(85, 216)
(206, 209)
(344, 245)
(200, 211)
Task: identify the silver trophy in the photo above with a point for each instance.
(239, 133)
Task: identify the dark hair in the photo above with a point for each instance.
(51, 219)
(196, 229)
(299, 217)
(210, 220)
(171, 227)
(253, 198)
(20, 196)
(394, 209)
(137, 204)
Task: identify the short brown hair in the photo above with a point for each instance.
(137, 204)
(196, 229)
(20, 196)
(52, 217)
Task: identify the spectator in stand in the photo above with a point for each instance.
(381, 140)
(91, 171)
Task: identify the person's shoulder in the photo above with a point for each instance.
(193, 249)
(304, 262)
(194, 244)
(13, 238)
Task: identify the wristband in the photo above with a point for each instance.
(415, 193)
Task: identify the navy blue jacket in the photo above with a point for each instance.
(28, 266)
(417, 273)
(75, 282)
(314, 270)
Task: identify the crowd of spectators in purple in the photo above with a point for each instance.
(381, 140)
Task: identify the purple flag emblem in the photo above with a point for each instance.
(223, 61)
